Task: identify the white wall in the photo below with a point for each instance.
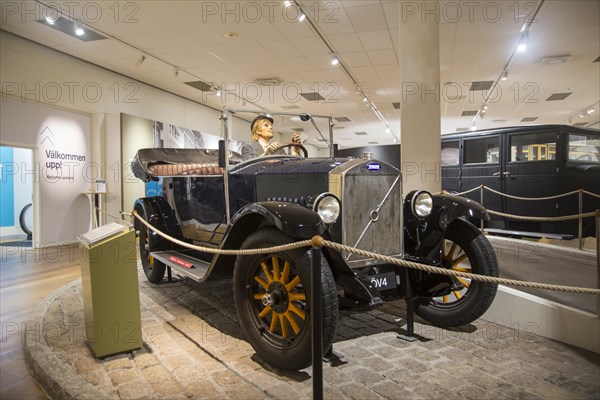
(59, 181)
(45, 76)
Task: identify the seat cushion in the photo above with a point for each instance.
(185, 169)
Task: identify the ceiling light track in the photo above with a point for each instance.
(145, 54)
(520, 47)
(339, 62)
(587, 112)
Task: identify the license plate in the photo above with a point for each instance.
(384, 281)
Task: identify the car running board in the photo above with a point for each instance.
(184, 265)
(537, 235)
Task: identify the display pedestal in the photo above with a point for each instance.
(94, 201)
(111, 300)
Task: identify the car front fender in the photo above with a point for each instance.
(423, 238)
(459, 206)
(292, 219)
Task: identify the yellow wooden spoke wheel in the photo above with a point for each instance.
(464, 249)
(272, 296)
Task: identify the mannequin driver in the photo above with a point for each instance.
(262, 133)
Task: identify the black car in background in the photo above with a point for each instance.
(224, 202)
(527, 161)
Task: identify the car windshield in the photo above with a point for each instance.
(289, 134)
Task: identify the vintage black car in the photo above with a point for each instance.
(535, 161)
(224, 202)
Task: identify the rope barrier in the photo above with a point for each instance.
(531, 218)
(528, 198)
(468, 191)
(110, 215)
(443, 271)
(318, 241)
(274, 249)
(531, 198)
(590, 193)
(526, 218)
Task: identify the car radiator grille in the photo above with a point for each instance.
(371, 211)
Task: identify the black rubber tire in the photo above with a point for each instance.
(154, 269)
(23, 223)
(479, 295)
(293, 352)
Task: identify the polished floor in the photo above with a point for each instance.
(26, 278)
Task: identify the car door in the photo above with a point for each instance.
(531, 171)
(450, 157)
(481, 166)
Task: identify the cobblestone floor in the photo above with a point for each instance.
(193, 349)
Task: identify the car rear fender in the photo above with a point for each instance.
(159, 214)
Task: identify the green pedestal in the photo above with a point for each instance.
(111, 299)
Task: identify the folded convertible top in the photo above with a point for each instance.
(150, 163)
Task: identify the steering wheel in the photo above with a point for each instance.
(290, 145)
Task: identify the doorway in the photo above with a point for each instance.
(16, 196)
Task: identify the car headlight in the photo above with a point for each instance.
(328, 207)
(422, 204)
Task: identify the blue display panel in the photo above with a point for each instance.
(7, 195)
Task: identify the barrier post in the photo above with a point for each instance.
(316, 322)
(598, 258)
(481, 202)
(580, 228)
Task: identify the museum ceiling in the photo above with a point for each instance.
(259, 55)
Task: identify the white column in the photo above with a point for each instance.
(97, 167)
(420, 102)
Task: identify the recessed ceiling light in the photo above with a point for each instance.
(558, 96)
(71, 28)
(231, 35)
(562, 59)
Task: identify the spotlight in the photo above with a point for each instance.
(335, 61)
(301, 18)
(523, 42)
(218, 93)
(141, 60)
(388, 130)
(504, 75)
(79, 30)
(591, 110)
(50, 20)
(287, 3)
